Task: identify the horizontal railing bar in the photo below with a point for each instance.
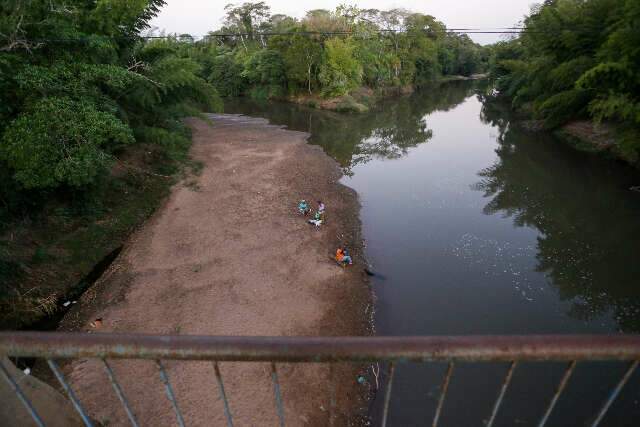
(321, 349)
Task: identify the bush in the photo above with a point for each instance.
(62, 142)
(340, 72)
(348, 104)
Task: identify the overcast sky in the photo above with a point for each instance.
(197, 17)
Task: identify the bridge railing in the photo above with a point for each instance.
(572, 349)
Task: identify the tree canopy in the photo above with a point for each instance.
(79, 84)
(576, 59)
(335, 52)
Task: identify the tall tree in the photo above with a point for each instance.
(246, 18)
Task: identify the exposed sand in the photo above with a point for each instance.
(228, 255)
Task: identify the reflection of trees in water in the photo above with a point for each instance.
(587, 219)
(387, 131)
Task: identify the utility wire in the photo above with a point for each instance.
(513, 30)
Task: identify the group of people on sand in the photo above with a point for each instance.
(342, 254)
(318, 216)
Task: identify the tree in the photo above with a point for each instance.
(340, 72)
(422, 31)
(576, 59)
(244, 19)
(264, 70)
(71, 150)
(302, 55)
(71, 106)
(226, 74)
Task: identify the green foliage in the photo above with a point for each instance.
(68, 108)
(246, 18)
(264, 71)
(301, 56)
(576, 59)
(226, 74)
(78, 84)
(340, 72)
(559, 108)
(61, 142)
(383, 49)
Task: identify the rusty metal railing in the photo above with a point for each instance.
(393, 350)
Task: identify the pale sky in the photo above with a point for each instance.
(197, 17)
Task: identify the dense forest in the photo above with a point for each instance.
(90, 129)
(576, 59)
(331, 52)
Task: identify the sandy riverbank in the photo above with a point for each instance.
(227, 254)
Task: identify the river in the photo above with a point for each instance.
(474, 226)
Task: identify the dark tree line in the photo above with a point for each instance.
(78, 85)
(576, 59)
(80, 92)
(333, 52)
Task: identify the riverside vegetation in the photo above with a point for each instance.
(577, 60)
(333, 54)
(91, 111)
(90, 132)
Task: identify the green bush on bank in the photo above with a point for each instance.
(576, 59)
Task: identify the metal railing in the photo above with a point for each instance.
(392, 350)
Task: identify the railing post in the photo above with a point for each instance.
(169, 390)
(21, 396)
(503, 390)
(614, 393)
(387, 392)
(556, 396)
(276, 392)
(443, 393)
(67, 388)
(223, 395)
(118, 390)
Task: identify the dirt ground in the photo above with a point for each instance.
(228, 254)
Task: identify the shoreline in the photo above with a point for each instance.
(362, 99)
(587, 136)
(210, 261)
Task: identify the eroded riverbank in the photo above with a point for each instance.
(227, 254)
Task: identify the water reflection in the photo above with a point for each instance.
(456, 264)
(587, 219)
(387, 131)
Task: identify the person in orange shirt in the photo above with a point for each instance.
(343, 258)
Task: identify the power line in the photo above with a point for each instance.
(511, 30)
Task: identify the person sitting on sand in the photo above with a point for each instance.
(347, 257)
(317, 219)
(343, 258)
(320, 206)
(303, 207)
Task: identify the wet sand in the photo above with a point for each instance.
(228, 254)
